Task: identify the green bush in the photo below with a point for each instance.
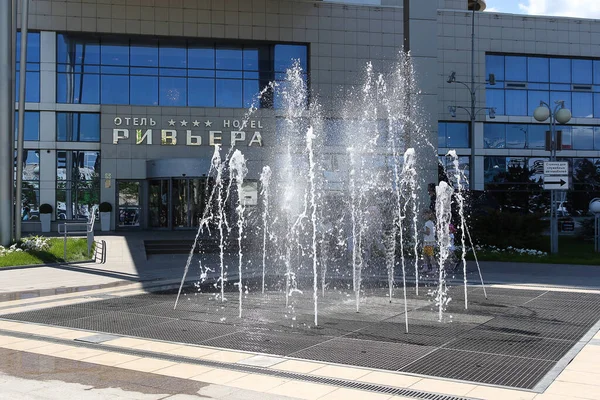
(505, 229)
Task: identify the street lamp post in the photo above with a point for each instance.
(473, 110)
(562, 115)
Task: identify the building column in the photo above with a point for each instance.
(6, 130)
(420, 38)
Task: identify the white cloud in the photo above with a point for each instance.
(492, 9)
(565, 8)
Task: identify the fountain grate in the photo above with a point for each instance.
(531, 329)
(54, 315)
(367, 387)
(511, 345)
(364, 353)
(281, 344)
(118, 322)
(487, 368)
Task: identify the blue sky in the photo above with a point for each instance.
(566, 8)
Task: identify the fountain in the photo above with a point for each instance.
(363, 227)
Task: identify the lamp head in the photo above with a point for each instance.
(542, 113)
(452, 111)
(492, 113)
(563, 115)
(452, 77)
(492, 80)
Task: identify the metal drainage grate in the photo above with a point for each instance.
(369, 387)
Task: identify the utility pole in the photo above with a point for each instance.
(7, 107)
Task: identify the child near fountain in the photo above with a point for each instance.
(428, 242)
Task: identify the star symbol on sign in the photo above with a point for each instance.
(171, 122)
(183, 122)
(208, 123)
(196, 123)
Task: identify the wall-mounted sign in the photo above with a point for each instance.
(188, 132)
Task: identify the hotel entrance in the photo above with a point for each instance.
(176, 203)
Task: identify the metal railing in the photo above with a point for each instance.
(72, 228)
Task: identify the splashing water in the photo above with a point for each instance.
(265, 179)
(443, 213)
(237, 164)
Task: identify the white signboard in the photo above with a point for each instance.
(554, 182)
(556, 168)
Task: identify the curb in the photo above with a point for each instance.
(46, 265)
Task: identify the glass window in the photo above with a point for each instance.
(114, 53)
(170, 72)
(172, 91)
(516, 68)
(582, 71)
(77, 127)
(582, 105)
(144, 53)
(565, 136)
(201, 92)
(494, 136)
(560, 70)
(533, 100)
(597, 138)
(173, 57)
(495, 98)
(115, 89)
(201, 57)
(516, 102)
(78, 183)
(538, 69)
(597, 105)
(31, 125)
(30, 185)
(442, 134)
(78, 88)
(229, 93)
(596, 67)
(561, 96)
(536, 136)
(457, 134)
(286, 54)
(495, 65)
(229, 59)
(583, 137)
(493, 166)
(143, 90)
(516, 136)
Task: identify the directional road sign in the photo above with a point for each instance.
(552, 182)
(556, 168)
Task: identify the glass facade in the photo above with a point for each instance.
(453, 135)
(77, 127)
(32, 69)
(523, 81)
(30, 187)
(464, 165)
(533, 136)
(77, 183)
(169, 72)
(31, 125)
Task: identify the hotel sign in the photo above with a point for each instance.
(191, 133)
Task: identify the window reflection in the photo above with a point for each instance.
(77, 127)
(453, 135)
(522, 82)
(77, 183)
(32, 69)
(31, 125)
(30, 184)
(168, 72)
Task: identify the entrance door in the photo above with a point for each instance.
(188, 201)
(158, 203)
(129, 210)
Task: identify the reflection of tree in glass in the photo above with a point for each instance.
(586, 185)
(517, 189)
